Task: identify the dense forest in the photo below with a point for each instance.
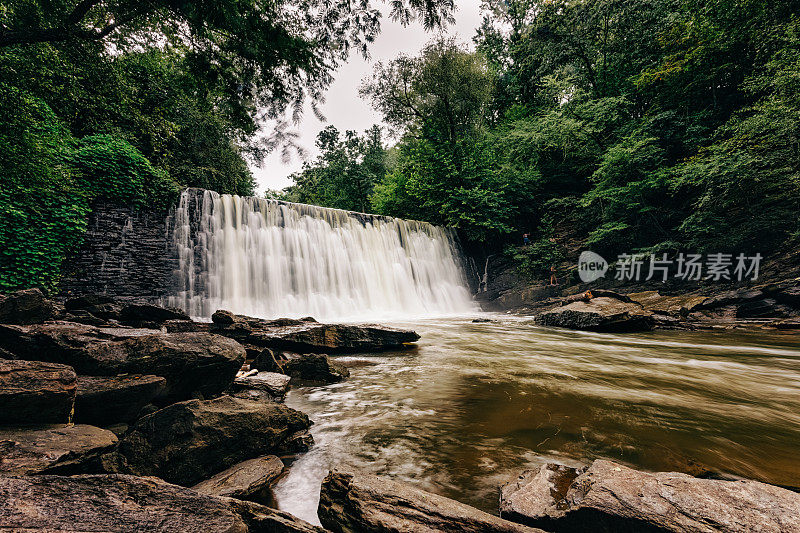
(625, 125)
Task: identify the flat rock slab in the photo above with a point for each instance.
(611, 497)
(309, 336)
(245, 480)
(313, 337)
(52, 449)
(189, 441)
(105, 400)
(190, 362)
(271, 382)
(34, 392)
(366, 504)
(128, 503)
(603, 314)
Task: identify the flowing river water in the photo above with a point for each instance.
(476, 403)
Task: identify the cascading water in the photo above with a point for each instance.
(271, 259)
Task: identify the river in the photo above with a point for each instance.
(476, 403)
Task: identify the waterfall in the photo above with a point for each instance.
(270, 259)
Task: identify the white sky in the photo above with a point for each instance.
(343, 108)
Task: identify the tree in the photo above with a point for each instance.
(344, 174)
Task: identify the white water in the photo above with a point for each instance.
(274, 259)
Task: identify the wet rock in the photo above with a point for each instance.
(314, 367)
(603, 314)
(89, 308)
(144, 312)
(246, 481)
(222, 317)
(365, 504)
(52, 449)
(105, 400)
(180, 326)
(189, 361)
(612, 497)
(298, 442)
(276, 385)
(673, 306)
(308, 336)
(481, 320)
(763, 308)
(186, 442)
(28, 306)
(130, 503)
(34, 392)
(265, 361)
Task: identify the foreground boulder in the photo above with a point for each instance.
(306, 335)
(189, 441)
(53, 449)
(28, 306)
(611, 497)
(33, 392)
(314, 367)
(189, 361)
(105, 400)
(247, 480)
(129, 503)
(360, 503)
(602, 314)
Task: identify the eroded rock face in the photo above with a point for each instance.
(360, 503)
(603, 314)
(34, 392)
(129, 503)
(104, 400)
(187, 442)
(189, 361)
(55, 448)
(245, 481)
(308, 336)
(611, 497)
(28, 306)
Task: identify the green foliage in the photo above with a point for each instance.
(535, 260)
(345, 173)
(110, 168)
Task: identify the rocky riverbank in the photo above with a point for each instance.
(129, 416)
(773, 304)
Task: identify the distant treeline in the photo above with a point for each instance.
(625, 125)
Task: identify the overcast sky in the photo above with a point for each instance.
(343, 107)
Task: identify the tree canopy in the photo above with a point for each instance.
(626, 125)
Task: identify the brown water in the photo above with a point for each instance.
(475, 404)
